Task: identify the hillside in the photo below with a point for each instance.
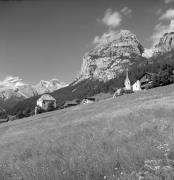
(90, 87)
(103, 70)
(114, 137)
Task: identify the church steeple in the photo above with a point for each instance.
(127, 81)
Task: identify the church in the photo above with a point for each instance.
(143, 82)
(127, 84)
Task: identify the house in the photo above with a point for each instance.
(88, 100)
(136, 86)
(74, 102)
(143, 82)
(146, 79)
(45, 103)
(127, 82)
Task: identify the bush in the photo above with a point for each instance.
(20, 115)
(26, 112)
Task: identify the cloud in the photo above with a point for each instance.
(106, 37)
(168, 1)
(169, 14)
(112, 19)
(110, 36)
(160, 29)
(147, 53)
(126, 11)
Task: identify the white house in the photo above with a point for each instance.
(45, 102)
(136, 86)
(88, 100)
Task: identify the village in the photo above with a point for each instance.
(48, 103)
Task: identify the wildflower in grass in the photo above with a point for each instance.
(153, 164)
(164, 147)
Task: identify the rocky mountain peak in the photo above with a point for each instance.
(166, 43)
(14, 87)
(49, 86)
(111, 55)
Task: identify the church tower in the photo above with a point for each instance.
(127, 82)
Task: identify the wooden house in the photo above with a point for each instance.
(74, 102)
(146, 79)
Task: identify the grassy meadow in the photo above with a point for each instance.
(129, 137)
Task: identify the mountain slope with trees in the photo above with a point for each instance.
(113, 56)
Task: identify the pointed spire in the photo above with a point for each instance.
(127, 77)
(127, 81)
(127, 74)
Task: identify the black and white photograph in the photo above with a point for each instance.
(86, 89)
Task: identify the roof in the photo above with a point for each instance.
(149, 73)
(90, 98)
(46, 97)
(73, 102)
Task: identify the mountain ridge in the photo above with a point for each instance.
(13, 87)
(110, 58)
(100, 62)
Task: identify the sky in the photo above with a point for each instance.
(45, 39)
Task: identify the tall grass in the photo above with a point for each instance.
(113, 144)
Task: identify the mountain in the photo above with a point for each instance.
(49, 86)
(166, 44)
(109, 58)
(14, 90)
(103, 70)
(15, 87)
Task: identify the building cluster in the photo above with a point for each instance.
(143, 82)
(47, 103)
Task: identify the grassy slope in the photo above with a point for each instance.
(88, 141)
